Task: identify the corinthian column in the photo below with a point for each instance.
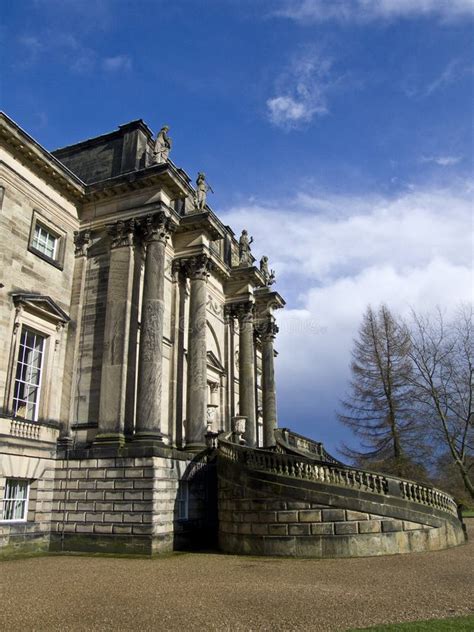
(247, 405)
(113, 384)
(156, 232)
(196, 409)
(268, 334)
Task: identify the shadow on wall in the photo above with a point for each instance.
(195, 509)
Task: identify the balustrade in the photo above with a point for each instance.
(24, 429)
(300, 468)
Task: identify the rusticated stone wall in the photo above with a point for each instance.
(270, 517)
(128, 504)
(32, 535)
(26, 452)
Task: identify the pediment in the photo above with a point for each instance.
(41, 304)
(213, 362)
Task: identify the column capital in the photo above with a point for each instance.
(156, 227)
(229, 313)
(121, 233)
(82, 241)
(178, 269)
(198, 267)
(267, 330)
(244, 312)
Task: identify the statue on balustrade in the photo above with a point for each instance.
(245, 255)
(202, 189)
(162, 146)
(268, 275)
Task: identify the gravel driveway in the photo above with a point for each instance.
(223, 592)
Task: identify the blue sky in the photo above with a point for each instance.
(339, 132)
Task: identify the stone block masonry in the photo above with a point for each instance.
(266, 515)
(137, 505)
(32, 535)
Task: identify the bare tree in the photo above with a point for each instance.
(378, 409)
(442, 382)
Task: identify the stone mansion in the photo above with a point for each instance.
(138, 403)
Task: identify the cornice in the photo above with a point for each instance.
(220, 269)
(39, 160)
(249, 274)
(202, 221)
(164, 175)
(268, 299)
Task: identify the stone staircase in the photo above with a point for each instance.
(296, 499)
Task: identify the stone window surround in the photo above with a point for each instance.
(31, 359)
(6, 498)
(51, 331)
(39, 219)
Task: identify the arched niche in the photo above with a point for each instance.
(215, 381)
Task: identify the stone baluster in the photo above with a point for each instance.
(247, 372)
(269, 407)
(156, 232)
(113, 384)
(197, 269)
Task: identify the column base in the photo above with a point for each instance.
(65, 442)
(110, 439)
(148, 437)
(195, 447)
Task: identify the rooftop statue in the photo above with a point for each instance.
(245, 255)
(202, 188)
(162, 146)
(268, 275)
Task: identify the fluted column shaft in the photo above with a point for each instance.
(113, 384)
(156, 231)
(268, 384)
(196, 408)
(247, 406)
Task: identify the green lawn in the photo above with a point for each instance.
(456, 624)
(468, 513)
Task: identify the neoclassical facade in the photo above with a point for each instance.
(132, 318)
(137, 384)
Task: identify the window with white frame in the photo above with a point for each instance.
(182, 500)
(26, 391)
(44, 241)
(47, 240)
(15, 500)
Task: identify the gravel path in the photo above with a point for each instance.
(220, 592)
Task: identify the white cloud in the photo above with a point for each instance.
(334, 255)
(301, 90)
(117, 63)
(442, 161)
(72, 52)
(283, 110)
(368, 10)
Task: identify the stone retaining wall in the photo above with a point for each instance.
(265, 518)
